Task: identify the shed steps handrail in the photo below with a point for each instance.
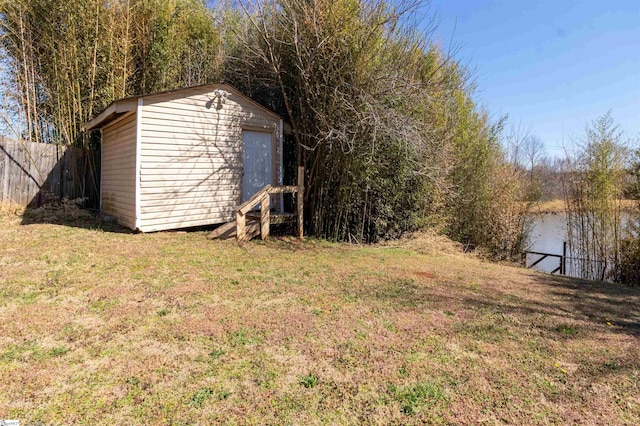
(255, 199)
(263, 197)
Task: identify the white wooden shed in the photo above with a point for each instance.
(186, 157)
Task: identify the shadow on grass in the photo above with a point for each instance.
(68, 214)
(602, 302)
(612, 306)
(569, 301)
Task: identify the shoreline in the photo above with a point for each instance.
(558, 206)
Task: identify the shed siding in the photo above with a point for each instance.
(118, 170)
(191, 158)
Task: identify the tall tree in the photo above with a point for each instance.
(594, 182)
(68, 59)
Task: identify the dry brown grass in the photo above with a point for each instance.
(558, 206)
(426, 242)
(115, 328)
(11, 209)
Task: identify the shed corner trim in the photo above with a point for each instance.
(138, 160)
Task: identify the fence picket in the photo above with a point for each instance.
(29, 171)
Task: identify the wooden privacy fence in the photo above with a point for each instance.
(30, 173)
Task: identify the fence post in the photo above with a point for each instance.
(5, 183)
(563, 259)
(300, 201)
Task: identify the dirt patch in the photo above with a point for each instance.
(427, 275)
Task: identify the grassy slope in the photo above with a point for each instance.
(113, 328)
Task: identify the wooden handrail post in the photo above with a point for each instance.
(263, 197)
(300, 201)
(265, 216)
(240, 226)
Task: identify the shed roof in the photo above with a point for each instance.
(122, 106)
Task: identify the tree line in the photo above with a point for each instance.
(600, 185)
(598, 181)
(382, 114)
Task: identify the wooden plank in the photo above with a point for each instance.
(283, 189)
(16, 178)
(5, 183)
(13, 177)
(254, 200)
(224, 232)
(265, 213)
(66, 168)
(300, 201)
(241, 231)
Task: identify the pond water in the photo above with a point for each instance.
(548, 234)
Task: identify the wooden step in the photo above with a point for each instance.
(228, 230)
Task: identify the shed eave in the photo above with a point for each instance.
(110, 113)
(122, 106)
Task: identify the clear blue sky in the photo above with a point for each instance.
(554, 65)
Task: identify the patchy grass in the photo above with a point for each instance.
(116, 328)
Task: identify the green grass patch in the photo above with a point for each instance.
(416, 398)
(309, 381)
(566, 330)
(199, 398)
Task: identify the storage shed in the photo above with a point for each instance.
(186, 157)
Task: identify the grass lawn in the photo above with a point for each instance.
(103, 327)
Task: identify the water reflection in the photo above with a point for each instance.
(548, 235)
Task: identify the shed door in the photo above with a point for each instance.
(257, 162)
